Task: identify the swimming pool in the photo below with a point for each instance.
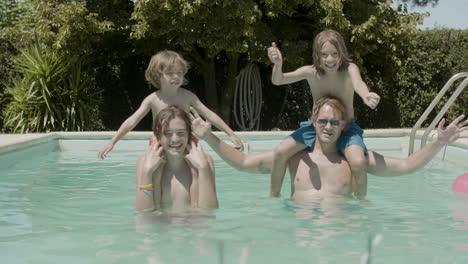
(58, 203)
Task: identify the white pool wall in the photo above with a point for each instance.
(375, 139)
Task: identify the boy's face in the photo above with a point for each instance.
(172, 76)
(329, 57)
(174, 137)
(329, 124)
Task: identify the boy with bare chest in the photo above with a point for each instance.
(331, 74)
(166, 71)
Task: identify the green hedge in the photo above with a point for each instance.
(7, 55)
(438, 55)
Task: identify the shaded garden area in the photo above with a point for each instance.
(79, 65)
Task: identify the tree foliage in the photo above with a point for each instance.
(240, 31)
(16, 22)
(115, 40)
(68, 25)
(422, 2)
(11, 12)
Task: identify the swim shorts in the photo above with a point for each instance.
(351, 136)
(154, 139)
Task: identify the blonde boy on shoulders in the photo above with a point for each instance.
(166, 71)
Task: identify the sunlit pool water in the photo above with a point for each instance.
(59, 204)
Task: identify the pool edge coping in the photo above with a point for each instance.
(13, 142)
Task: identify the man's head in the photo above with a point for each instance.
(329, 118)
(166, 62)
(329, 52)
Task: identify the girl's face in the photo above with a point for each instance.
(175, 137)
(329, 57)
(172, 76)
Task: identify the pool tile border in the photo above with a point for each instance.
(12, 142)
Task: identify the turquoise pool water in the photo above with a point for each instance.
(59, 204)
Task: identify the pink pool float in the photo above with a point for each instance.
(461, 184)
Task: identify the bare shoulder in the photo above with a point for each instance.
(188, 96)
(303, 71)
(311, 72)
(353, 68)
(151, 97)
(309, 69)
(190, 99)
(185, 92)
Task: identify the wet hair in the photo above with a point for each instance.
(160, 62)
(331, 101)
(336, 40)
(162, 119)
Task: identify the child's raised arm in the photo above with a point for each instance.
(127, 125)
(216, 121)
(360, 87)
(277, 75)
(148, 179)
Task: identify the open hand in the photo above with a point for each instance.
(154, 157)
(453, 131)
(237, 142)
(372, 100)
(102, 154)
(196, 157)
(274, 54)
(200, 127)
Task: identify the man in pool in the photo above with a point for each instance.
(324, 172)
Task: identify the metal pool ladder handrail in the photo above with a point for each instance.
(442, 111)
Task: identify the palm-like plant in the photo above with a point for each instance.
(51, 94)
(81, 101)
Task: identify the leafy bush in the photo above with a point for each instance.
(51, 95)
(7, 54)
(437, 55)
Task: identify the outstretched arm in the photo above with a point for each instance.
(217, 122)
(255, 163)
(127, 126)
(277, 75)
(387, 166)
(360, 87)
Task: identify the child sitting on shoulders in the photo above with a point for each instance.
(332, 74)
(166, 71)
